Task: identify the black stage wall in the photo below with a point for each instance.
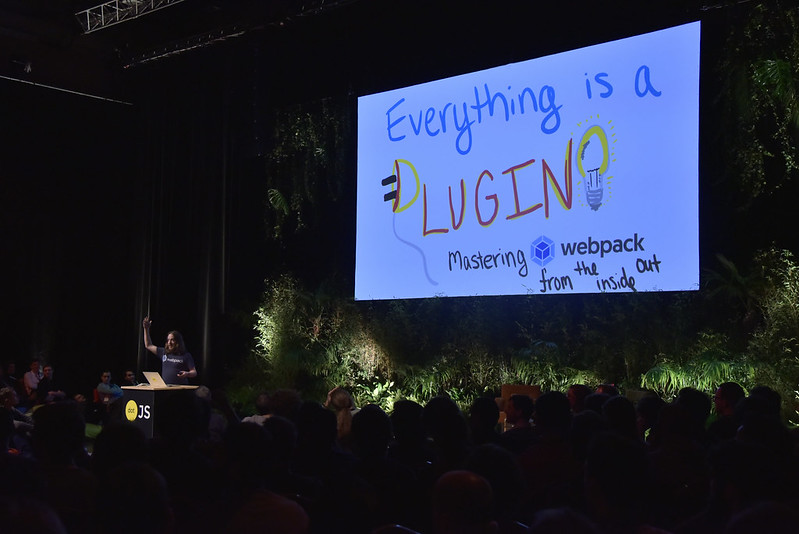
(114, 210)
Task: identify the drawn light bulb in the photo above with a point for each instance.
(594, 188)
(592, 162)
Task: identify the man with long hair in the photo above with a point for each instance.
(177, 364)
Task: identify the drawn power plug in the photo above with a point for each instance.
(391, 195)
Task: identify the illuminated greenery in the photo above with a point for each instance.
(775, 345)
(315, 341)
(704, 367)
(771, 355)
(384, 351)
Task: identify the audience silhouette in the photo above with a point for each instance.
(610, 467)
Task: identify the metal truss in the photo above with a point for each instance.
(118, 11)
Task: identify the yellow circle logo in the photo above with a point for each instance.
(131, 409)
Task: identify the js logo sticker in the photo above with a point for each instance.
(133, 410)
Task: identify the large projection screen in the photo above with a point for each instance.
(571, 173)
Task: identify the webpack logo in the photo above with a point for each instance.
(542, 251)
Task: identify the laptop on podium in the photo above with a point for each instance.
(154, 378)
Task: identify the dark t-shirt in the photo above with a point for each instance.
(172, 364)
(46, 385)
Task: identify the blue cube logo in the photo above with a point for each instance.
(542, 251)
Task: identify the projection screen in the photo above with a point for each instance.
(571, 173)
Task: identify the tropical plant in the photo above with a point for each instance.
(305, 166)
(775, 345)
(760, 87)
(707, 365)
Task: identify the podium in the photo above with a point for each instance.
(141, 403)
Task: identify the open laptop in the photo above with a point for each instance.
(154, 378)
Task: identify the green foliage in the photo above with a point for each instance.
(704, 366)
(304, 168)
(464, 348)
(313, 341)
(775, 345)
(771, 354)
(547, 373)
(278, 202)
(383, 394)
(778, 338)
(760, 94)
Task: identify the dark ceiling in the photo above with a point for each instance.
(43, 42)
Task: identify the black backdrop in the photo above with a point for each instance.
(113, 210)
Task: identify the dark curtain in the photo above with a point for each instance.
(111, 211)
(202, 237)
(68, 209)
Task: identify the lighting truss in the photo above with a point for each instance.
(118, 11)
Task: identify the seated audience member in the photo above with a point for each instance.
(134, 485)
(553, 413)
(48, 390)
(619, 413)
(108, 389)
(26, 514)
(217, 421)
(501, 469)
(558, 520)
(647, 411)
(518, 413)
(179, 452)
(764, 517)
(483, 418)
(340, 401)
(726, 398)
(594, 402)
(463, 503)
(698, 405)
(285, 403)
(261, 410)
(11, 380)
(585, 425)
(445, 424)
(58, 439)
(576, 395)
(117, 444)
(31, 383)
(607, 389)
(742, 475)
(549, 464)
(616, 483)
(6, 432)
(254, 508)
(9, 400)
(20, 437)
(677, 463)
(8, 378)
(768, 432)
(129, 379)
(281, 476)
(391, 483)
(410, 446)
(772, 402)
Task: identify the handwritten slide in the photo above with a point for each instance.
(571, 173)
